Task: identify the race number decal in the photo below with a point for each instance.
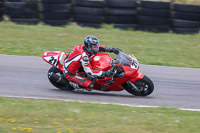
(52, 60)
(134, 64)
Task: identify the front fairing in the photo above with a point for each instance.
(129, 62)
(126, 67)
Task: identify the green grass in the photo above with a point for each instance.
(195, 2)
(48, 116)
(167, 49)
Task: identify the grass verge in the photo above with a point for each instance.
(48, 116)
(150, 48)
(195, 2)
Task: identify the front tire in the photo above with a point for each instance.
(60, 86)
(145, 87)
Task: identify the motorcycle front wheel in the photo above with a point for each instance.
(58, 85)
(144, 87)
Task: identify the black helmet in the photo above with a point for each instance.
(92, 44)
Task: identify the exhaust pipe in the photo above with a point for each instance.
(58, 79)
(54, 77)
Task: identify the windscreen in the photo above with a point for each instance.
(123, 59)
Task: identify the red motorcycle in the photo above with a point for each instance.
(125, 73)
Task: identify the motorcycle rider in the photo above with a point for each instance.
(80, 57)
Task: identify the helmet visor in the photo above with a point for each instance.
(94, 47)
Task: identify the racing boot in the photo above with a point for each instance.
(76, 87)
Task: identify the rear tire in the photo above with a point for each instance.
(145, 85)
(58, 85)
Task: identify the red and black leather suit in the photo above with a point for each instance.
(80, 58)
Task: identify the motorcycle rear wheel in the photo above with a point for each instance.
(144, 85)
(67, 86)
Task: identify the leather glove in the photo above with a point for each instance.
(116, 50)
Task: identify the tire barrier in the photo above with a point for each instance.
(20, 11)
(154, 16)
(1, 10)
(122, 14)
(185, 18)
(55, 12)
(148, 15)
(89, 13)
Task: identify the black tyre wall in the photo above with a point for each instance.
(185, 30)
(121, 3)
(1, 4)
(155, 4)
(185, 23)
(161, 13)
(1, 14)
(89, 13)
(22, 14)
(55, 12)
(88, 10)
(154, 16)
(122, 13)
(90, 3)
(25, 21)
(145, 20)
(55, 7)
(21, 6)
(20, 11)
(89, 18)
(186, 8)
(121, 19)
(13, 0)
(1, 10)
(56, 22)
(55, 1)
(55, 16)
(185, 18)
(121, 16)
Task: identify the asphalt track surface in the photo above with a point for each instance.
(23, 76)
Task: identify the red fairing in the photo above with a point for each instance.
(101, 61)
(55, 58)
(129, 72)
(137, 77)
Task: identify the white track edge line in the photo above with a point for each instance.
(140, 106)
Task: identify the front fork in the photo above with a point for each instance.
(135, 79)
(133, 86)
